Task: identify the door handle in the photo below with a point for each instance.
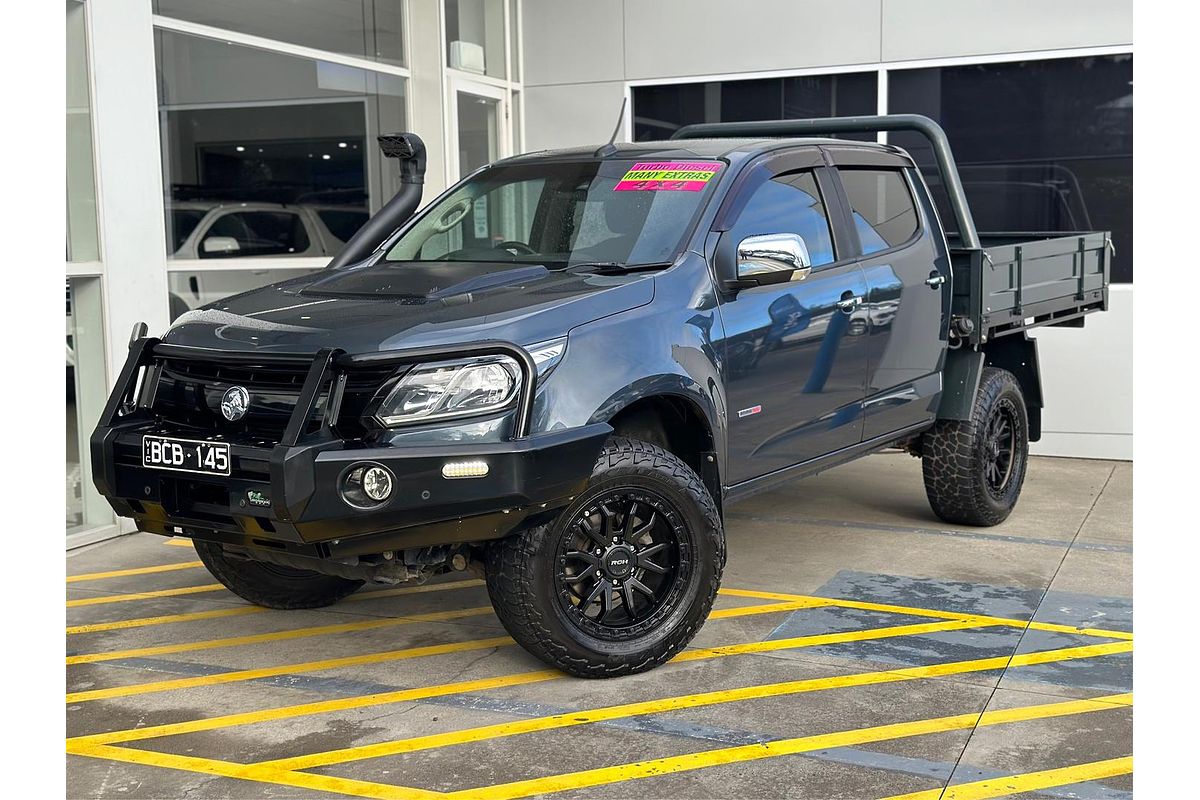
(849, 304)
(934, 281)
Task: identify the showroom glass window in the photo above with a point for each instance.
(86, 381)
(82, 237)
(475, 36)
(266, 155)
(1042, 146)
(658, 111)
(372, 29)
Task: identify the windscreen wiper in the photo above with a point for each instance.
(613, 267)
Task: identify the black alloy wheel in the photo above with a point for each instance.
(974, 468)
(621, 579)
(999, 445)
(620, 559)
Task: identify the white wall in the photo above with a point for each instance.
(1087, 383)
(580, 56)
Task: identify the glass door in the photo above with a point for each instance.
(479, 129)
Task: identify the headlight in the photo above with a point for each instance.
(451, 389)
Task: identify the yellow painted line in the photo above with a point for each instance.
(278, 636)
(238, 676)
(237, 612)
(320, 707)
(253, 772)
(179, 542)
(342, 704)
(122, 624)
(770, 608)
(121, 598)
(120, 573)
(817, 640)
(391, 697)
(573, 718)
(803, 744)
(1026, 782)
(930, 612)
(332, 663)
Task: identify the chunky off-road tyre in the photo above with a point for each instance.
(974, 469)
(272, 585)
(623, 578)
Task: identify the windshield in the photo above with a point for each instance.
(559, 214)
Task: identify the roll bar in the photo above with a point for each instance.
(890, 122)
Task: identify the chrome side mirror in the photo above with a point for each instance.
(772, 258)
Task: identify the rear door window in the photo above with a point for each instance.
(882, 207)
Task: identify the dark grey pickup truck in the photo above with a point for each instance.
(561, 371)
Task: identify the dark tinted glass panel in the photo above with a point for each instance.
(180, 224)
(342, 224)
(789, 203)
(1042, 146)
(658, 111)
(883, 208)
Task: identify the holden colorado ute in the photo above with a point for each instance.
(560, 372)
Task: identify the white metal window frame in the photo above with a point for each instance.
(881, 68)
(454, 80)
(457, 85)
(283, 48)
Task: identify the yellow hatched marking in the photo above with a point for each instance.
(333, 663)
(342, 704)
(321, 707)
(279, 636)
(253, 772)
(817, 640)
(573, 718)
(122, 598)
(1026, 782)
(287, 669)
(803, 744)
(237, 612)
(120, 573)
(929, 612)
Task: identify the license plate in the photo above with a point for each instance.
(185, 455)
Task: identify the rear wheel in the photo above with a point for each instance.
(974, 469)
(621, 581)
(273, 585)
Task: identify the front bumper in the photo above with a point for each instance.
(300, 477)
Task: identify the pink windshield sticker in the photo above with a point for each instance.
(668, 176)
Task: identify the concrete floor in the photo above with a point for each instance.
(199, 690)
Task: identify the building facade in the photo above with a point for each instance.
(213, 147)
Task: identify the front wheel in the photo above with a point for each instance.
(272, 585)
(974, 469)
(623, 578)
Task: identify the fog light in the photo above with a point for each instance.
(367, 486)
(377, 483)
(465, 469)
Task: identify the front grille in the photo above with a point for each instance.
(189, 394)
